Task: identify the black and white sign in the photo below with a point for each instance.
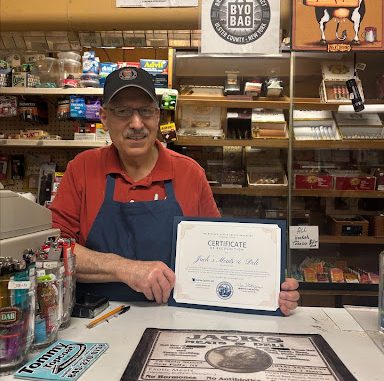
(183, 355)
(240, 26)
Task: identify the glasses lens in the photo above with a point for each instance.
(144, 112)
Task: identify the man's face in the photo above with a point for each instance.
(133, 133)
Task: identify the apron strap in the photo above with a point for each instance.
(110, 188)
(169, 192)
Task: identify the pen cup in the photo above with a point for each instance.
(17, 316)
(69, 290)
(49, 302)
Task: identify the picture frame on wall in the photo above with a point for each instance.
(337, 25)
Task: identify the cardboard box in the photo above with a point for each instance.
(313, 180)
(358, 183)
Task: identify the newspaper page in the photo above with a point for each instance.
(202, 355)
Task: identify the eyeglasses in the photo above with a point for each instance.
(127, 112)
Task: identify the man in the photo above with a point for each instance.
(118, 202)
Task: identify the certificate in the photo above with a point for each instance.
(223, 264)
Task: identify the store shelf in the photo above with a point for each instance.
(50, 143)
(363, 240)
(317, 104)
(57, 91)
(339, 144)
(222, 101)
(202, 141)
(275, 191)
(337, 193)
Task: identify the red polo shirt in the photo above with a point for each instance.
(82, 188)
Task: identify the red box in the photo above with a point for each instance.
(358, 183)
(313, 181)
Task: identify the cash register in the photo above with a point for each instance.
(23, 224)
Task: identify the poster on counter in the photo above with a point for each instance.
(155, 3)
(240, 27)
(338, 26)
(226, 264)
(169, 354)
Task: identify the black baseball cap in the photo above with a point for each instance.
(128, 77)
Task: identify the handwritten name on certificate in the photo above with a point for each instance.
(227, 264)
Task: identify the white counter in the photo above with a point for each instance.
(347, 338)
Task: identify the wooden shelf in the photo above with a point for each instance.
(343, 144)
(210, 142)
(50, 143)
(275, 191)
(363, 240)
(222, 101)
(57, 91)
(337, 193)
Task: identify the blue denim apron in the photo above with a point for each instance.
(134, 230)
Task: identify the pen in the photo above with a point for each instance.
(115, 312)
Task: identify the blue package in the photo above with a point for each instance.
(77, 107)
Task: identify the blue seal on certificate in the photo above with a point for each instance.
(224, 290)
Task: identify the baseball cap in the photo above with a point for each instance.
(128, 77)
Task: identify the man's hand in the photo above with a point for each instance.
(288, 296)
(153, 278)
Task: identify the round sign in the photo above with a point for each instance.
(240, 21)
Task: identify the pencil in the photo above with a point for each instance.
(107, 315)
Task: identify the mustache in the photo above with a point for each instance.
(135, 133)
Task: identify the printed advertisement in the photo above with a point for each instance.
(233, 356)
(337, 26)
(245, 27)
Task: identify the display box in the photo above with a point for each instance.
(360, 126)
(349, 225)
(266, 176)
(355, 181)
(312, 180)
(24, 79)
(333, 88)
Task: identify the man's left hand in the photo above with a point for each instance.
(289, 296)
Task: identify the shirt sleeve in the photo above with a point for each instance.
(66, 206)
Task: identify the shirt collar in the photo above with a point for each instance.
(163, 169)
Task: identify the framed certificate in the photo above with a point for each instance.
(228, 264)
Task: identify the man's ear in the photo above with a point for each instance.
(103, 118)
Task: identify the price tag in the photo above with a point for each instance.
(50, 265)
(40, 273)
(304, 237)
(19, 285)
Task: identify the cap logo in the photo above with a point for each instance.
(128, 74)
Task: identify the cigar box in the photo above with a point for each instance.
(312, 180)
(354, 180)
(266, 176)
(349, 225)
(333, 87)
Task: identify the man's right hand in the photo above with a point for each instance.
(153, 278)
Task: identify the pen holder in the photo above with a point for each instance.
(17, 316)
(69, 290)
(49, 302)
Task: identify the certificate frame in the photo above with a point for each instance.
(280, 223)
